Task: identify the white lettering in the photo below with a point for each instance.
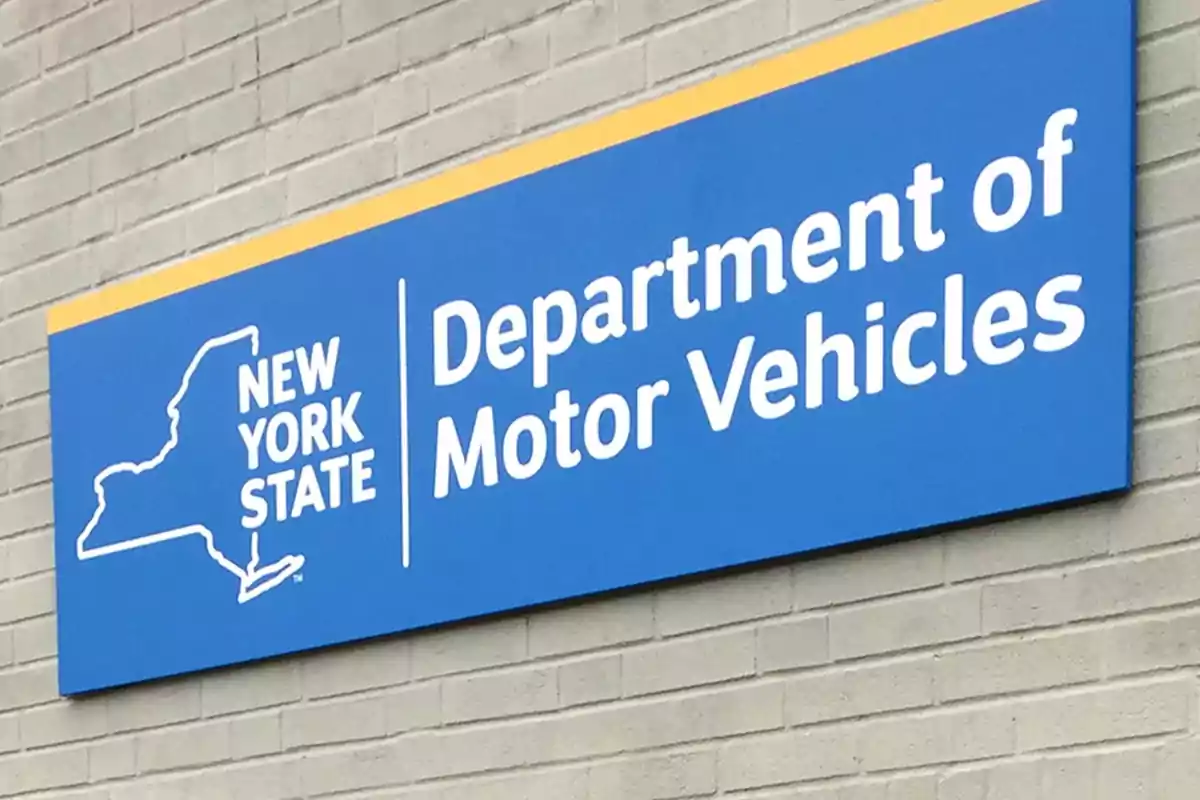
(443, 373)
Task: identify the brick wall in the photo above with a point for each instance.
(1051, 658)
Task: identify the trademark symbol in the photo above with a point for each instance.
(297, 579)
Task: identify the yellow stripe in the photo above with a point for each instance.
(826, 56)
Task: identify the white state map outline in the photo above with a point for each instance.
(253, 581)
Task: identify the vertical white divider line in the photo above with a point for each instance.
(402, 305)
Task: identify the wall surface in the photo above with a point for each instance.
(1054, 657)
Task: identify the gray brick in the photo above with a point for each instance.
(144, 150)
(149, 52)
(1063, 775)
(584, 84)
(1021, 665)
(1022, 543)
(589, 680)
(51, 280)
(1148, 645)
(656, 777)
(217, 23)
(1103, 715)
(570, 783)
(10, 738)
(1168, 259)
(20, 155)
(44, 190)
(6, 644)
(141, 247)
(1129, 775)
(1155, 16)
(342, 70)
(222, 118)
(808, 15)
(35, 640)
(96, 123)
(401, 100)
(252, 687)
(259, 735)
(185, 86)
(713, 603)
(592, 625)
(154, 705)
(1169, 66)
(793, 643)
(22, 687)
(342, 769)
(319, 131)
(241, 160)
(364, 16)
(1166, 196)
(1166, 386)
(711, 658)
(934, 618)
(19, 63)
(34, 772)
(1114, 587)
(341, 175)
(23, 379)
(62, 722)
(583, 28)
(412, 708)
(634, 18)
(103, 24)
(451, 25)
(489, 644)
(233, 213)
(1168, 322)
(46, 98)
(261, 780)
(716, 38)
(943, 737)
(22, 335)
(19, 425)
(27, 510)
(1014, 779)
(170, 187)
(299, 39)
(25, 243)
(1029, 602)
(353, 668)
(333, 722)
(879, 572)
(498, 695)
(148, 12)
(1166, 450)
(20, 17)
(31, 554)
(491, 63)
(845, 693)
(191, 746)
(606, 730)
(111, 759)
(28, 465)
(246, 66)
(1154, 516)
(1179, 769)
(458, 130)
(786, 758)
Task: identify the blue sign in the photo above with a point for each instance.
(872, 286)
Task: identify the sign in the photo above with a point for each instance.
(871, 286)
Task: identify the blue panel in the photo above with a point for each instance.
(967, 371)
